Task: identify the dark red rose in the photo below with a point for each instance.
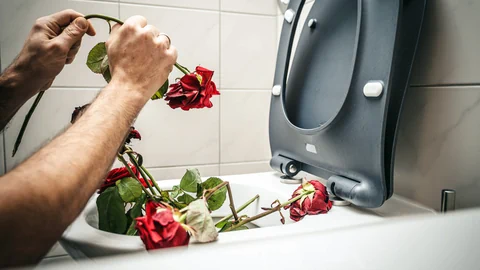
(312, 204)
(134, 134)
(158, 228)
(118, 173)
(192, 91)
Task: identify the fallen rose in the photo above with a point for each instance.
(193, 90)
(311, 204)
(159, 229)
(118, 173)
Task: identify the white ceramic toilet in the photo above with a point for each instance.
(83, 240)
(335, 117)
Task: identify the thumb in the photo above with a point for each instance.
(74, 31)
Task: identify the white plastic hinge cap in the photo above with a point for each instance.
(286, 2)
(276, 90)
(373, 89)
(289, 15)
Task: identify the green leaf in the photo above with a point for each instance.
(228, 224)
(107, 76)
(218, 198)
(111, 211)
(201, 222)
(129, 189)
(221, 224)
(199, 190)
(96, 57)
(136, 210)
(161, 92)
(175, 191)
(185, 198)
(190, 180)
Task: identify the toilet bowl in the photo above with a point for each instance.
(82, 240)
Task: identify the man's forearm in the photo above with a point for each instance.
(56, 182)
(15, 90)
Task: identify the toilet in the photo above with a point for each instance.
(333, 117)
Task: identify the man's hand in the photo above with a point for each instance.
(139, 57)
(53, 42)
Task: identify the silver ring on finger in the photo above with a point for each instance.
(169, 40)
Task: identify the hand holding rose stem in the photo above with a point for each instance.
(18, 141)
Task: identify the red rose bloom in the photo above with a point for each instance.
(134, 134)
(118, 173)
(312, 204)
(158, 228)
(194, 90)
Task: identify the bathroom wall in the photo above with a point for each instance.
(439, 137)
(236, 38)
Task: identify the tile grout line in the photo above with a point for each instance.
(219, 83)
(190, 9)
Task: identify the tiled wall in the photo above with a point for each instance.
(236, 38)
(439, 140)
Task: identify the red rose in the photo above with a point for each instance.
(192, 91)
(118, 173)
(158, 228)
(312, 204)
(134, 134)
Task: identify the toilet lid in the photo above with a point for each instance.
(336, 115)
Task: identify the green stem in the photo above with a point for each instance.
(213, 190)
(183, 69)
(241, 208)
(232, 205)
(135, 163)
(151, 178)
(125, 163)
(25, 122)
(268, 212)
(104, 17)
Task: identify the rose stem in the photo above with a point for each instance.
(240, 209)
(232, 205)
(108, 18)
(135, 163)
(122, 159)
(268, 212)
(25, 122)
(151, 178)
(213, 190)
(230, 197)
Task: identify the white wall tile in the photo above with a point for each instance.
(177, 172)
(248, 51)
(266, 7)
(14, 33)
(438, 145)
(244, 126)
(194, 33)
(193, 4)
(247, 167)
(52, 116)
(176, 137)
(448, 49)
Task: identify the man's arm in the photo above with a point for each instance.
(46, 51)
(43, 195)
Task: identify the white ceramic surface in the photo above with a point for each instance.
(81, 240)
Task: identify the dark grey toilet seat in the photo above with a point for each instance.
(337, 115)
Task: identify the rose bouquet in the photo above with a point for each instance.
(130, 202)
